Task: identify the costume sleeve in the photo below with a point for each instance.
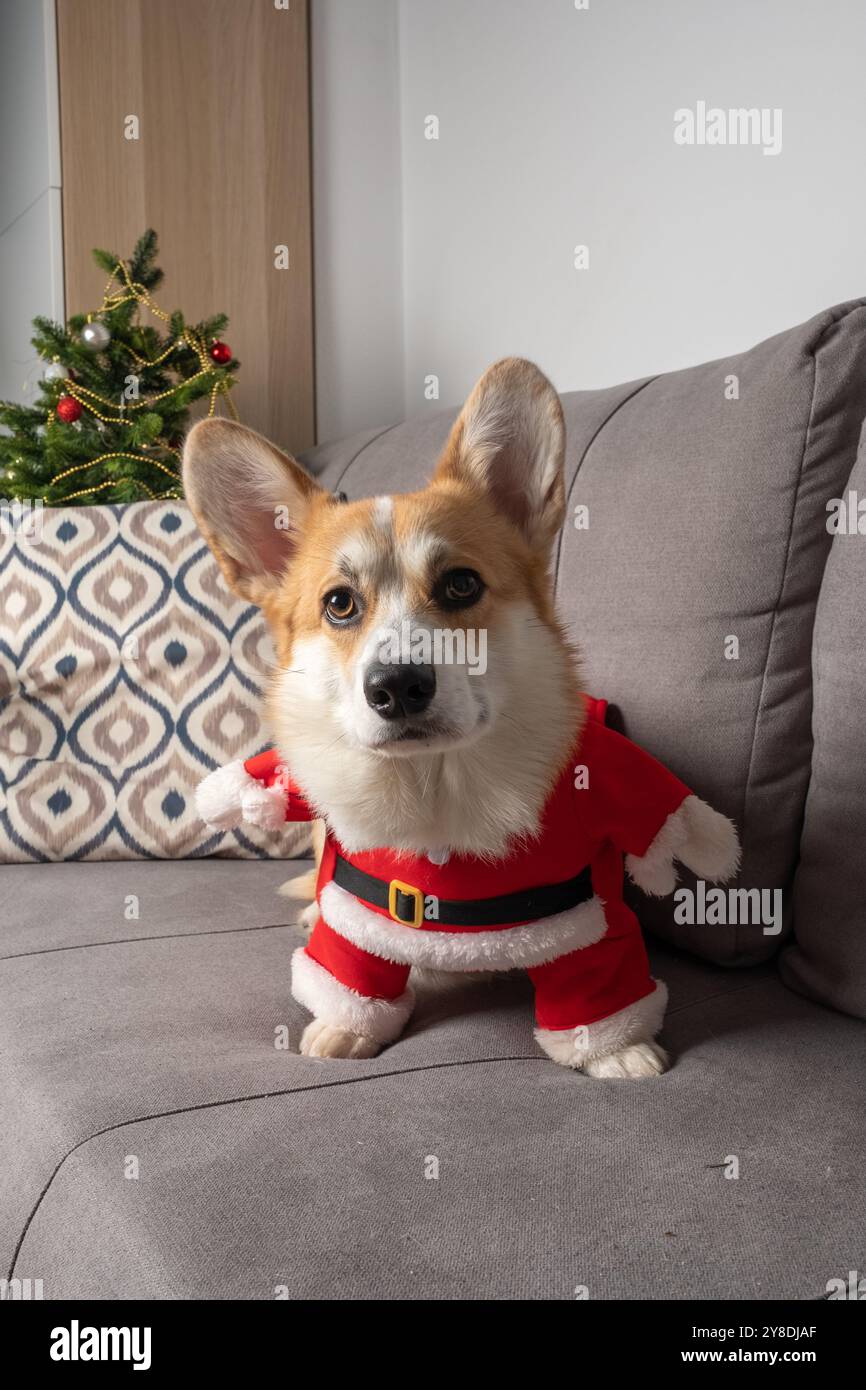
(651, 816)
(256, 792)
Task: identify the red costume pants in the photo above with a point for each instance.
(579, 988)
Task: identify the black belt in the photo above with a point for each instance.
(405, 904)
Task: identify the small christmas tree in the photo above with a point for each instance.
(115, 395)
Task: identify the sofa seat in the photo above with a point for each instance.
(151, 1043)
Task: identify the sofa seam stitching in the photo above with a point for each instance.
(785, 569)
(855, 307)
(244, 1100)
(134, 940)
(300, 1090)
(720, 994)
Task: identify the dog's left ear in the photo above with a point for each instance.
(509, 442)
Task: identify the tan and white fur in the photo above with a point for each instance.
(474, 771)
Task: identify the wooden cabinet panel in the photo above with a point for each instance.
(221, 169)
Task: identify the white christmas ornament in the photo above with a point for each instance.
(95, 335)
(55, 371)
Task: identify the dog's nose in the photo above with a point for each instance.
(393, 691)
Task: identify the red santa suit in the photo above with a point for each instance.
(553, 905)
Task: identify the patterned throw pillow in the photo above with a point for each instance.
(127, 672)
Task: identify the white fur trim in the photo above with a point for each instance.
(230, 797)
(506, 949)
(332, 1002)
(574, 1047)
(218, 796)
(712, 847)
(701, 838)
(264, 806)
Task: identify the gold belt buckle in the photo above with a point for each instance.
(397, 886)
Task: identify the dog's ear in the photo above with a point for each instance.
(250, 501)
(509, 442)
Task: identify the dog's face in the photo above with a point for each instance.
(397, 610)
(409, 624)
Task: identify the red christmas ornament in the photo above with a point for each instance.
(68, 409)
(221, 352)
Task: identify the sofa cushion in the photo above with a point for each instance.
(127, 672)
(95, 904)
(827, 959)
(690, 580)
(167, 1143)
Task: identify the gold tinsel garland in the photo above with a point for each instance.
(188, 338)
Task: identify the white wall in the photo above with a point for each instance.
(556, 128)
(31, 247)
(358, 231)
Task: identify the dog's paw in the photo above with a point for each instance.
(309, 917)
(641, 1059)
(325, 1040)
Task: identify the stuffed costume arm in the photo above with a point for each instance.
(256, 792)
(652, 817)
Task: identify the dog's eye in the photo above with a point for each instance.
(341, 606)
(459, 589)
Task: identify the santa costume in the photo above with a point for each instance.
(552, 906)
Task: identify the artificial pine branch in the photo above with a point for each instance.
(131, 453)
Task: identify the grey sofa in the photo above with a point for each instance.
(163, 1139)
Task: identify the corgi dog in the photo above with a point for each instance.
(427, 708)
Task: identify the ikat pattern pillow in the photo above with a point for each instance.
(127, 672)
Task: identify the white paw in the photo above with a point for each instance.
(218, 796)
(309, 917)
(641, 1059)
(325, 1040)
(699, 837)
(264, 807)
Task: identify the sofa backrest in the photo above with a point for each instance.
(827, 958)
(688, 574)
